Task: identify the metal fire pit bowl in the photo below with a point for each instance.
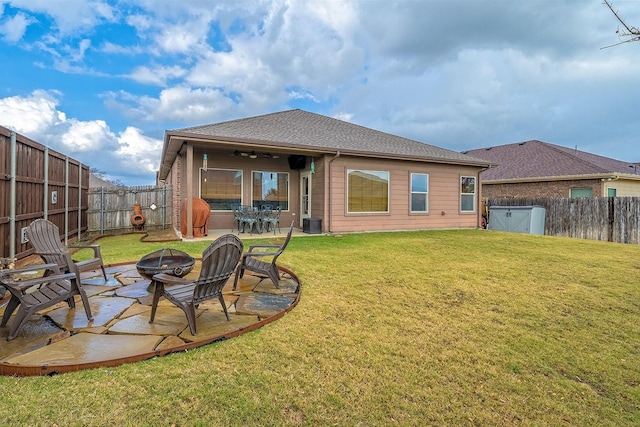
(169, 261)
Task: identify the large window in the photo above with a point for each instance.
(368, 191)
(221, 188)
(419, 192)
(271, 189)
(467, 193)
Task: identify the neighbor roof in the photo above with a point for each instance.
(537, 159)
(314, 133)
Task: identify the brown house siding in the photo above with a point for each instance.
(540, 189)
(444, 197)
(318, 189)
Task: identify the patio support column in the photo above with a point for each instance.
(189, 191)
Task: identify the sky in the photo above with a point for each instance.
(102, 80)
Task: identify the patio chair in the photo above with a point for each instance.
(219, 261)
(49, 290)
(272, 220)
(235, 210)
(44, 236)
(252, 261)
(251, 218)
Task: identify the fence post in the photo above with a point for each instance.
(66, 200)
(101, 210)
(12, 195)
(45, 208)
(611, 219)
(79, 200)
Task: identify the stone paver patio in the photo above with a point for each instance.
(59, 339)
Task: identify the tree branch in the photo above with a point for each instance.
(630, 32)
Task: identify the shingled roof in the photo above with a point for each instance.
(536, 159)
(314, 133)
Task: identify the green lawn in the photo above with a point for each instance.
(462, 327)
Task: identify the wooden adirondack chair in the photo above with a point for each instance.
(44, 236)
(219, 261)
(50, 290)
(252, 261)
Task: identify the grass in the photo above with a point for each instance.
(461, 327)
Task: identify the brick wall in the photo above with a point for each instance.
(540, 189)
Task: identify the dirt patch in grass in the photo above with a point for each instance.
(159, 235)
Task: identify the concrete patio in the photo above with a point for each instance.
(59, 339)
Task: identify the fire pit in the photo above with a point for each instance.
(169, 261)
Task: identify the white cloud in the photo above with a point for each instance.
(87, 136)
(31, 115)
(157, 75)
(181, 38)
(139, 152)
(13, 28)
(70, 15)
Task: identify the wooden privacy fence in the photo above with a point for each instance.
(36, 182)
(111, 208)
(613, 219)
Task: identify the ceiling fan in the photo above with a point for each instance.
(254, 155)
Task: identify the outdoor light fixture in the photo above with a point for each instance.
(254, 155)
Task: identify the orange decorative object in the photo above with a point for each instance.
(138, 219)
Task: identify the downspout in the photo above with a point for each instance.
(12, 196)
(480, 211)
(330, 220)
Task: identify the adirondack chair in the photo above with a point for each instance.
(219, 261)
(252, 261)
(50, 290)
(44, 236)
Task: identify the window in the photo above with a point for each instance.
(367, 191)
(580, 192)
(270, 189)
(419, 192)
(221, 188)
(611, 192)
(468, 194)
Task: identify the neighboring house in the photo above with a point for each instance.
(347, 177)
(96, 182)
(539, 169)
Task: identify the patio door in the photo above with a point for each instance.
(305, 195)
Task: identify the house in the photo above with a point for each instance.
(345, 177)
(538, 169)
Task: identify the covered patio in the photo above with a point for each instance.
(60, 339)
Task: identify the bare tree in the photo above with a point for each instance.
(628, 33)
